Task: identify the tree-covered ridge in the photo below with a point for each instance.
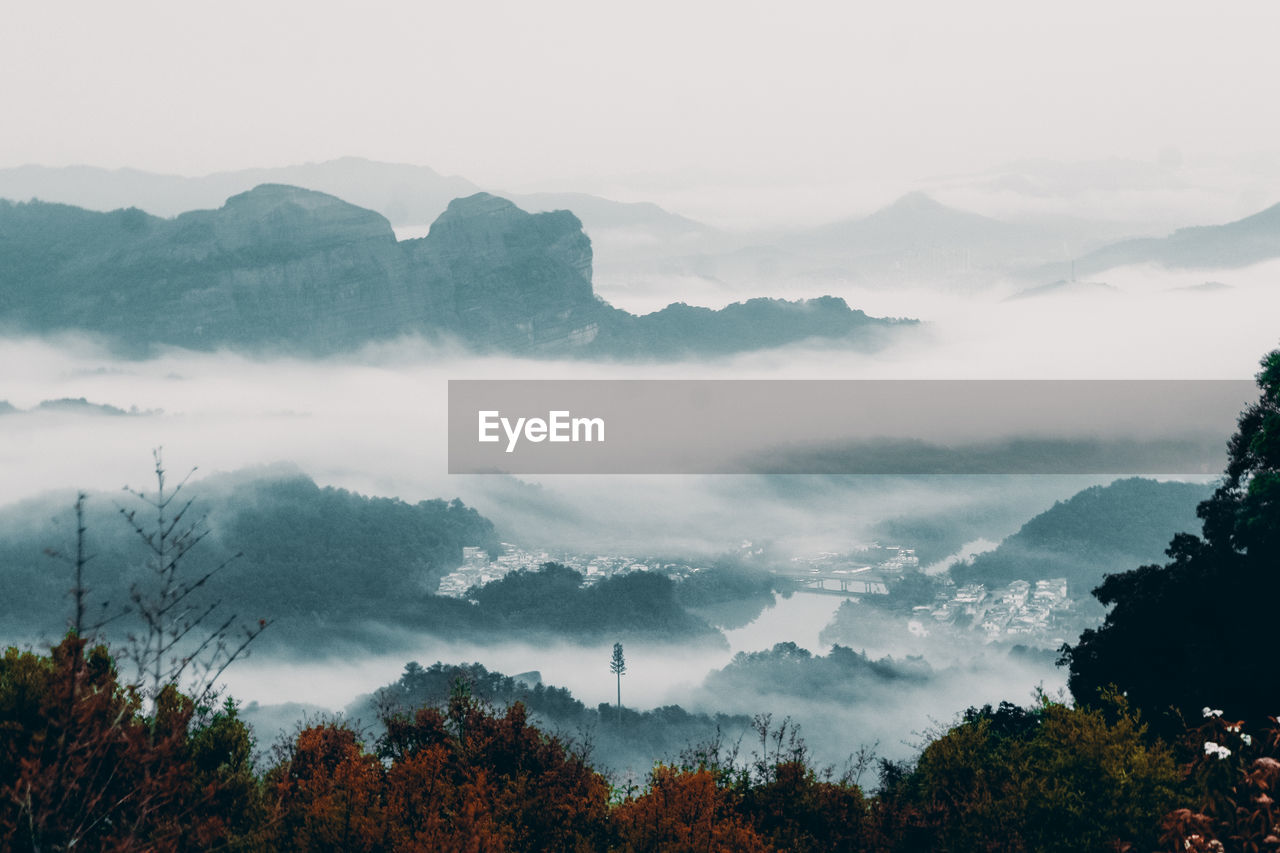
(1097, 531)
(342, 570)
(623, 742)
(556, 599)
(841, 675)
(308, 555)
(681, 330)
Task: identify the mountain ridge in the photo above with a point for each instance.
(295, 269)
(407, 195)
(1229, 245)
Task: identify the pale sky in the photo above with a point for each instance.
(583, 94)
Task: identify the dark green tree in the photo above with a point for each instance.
(1198, 631)
(618, 665)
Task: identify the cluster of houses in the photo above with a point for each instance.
(478, 568)
(1020, 609)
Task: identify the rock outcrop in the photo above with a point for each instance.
(296, 270)
(513, 280)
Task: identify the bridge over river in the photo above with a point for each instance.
(846, 582)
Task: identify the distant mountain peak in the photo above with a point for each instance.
(480, 204)
(920, 206)
(1267, 219)
(916, 201)
(276, 212)
(1232, 245)
(270, 195)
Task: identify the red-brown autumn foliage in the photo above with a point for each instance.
(462, 780)
(684, 810)
(329, 795)
(81, 766)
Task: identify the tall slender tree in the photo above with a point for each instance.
(183, 642)
(618, 666)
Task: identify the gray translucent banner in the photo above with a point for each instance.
(843, 426)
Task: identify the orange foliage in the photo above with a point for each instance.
(684, 810)
(329, 796)
(469, 782)
(81, 767)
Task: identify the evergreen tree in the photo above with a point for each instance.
(618, 666)
(1197, 631)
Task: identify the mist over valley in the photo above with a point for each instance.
(324, 466)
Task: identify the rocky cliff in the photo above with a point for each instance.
(284, 268)
(512, 280)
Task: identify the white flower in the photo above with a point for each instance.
(1247, 740)
(1211, 748)
(1207, 712)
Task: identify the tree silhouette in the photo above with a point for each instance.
(182, 639)
(618, 666)
(1197, 631)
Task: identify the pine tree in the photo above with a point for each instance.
(618, 666)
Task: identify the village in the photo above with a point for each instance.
(1023, 611)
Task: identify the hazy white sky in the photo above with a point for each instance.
(584, 93)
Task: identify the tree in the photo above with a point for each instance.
(618, 666)
(90, 761)
(183, 639)
(1197, 631)
(1048, 778)
(83, 767)
(683, 811)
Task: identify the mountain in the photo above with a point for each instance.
(287, 268)
(406, 195)
(623, 739)
(915, 221)
(332, 567)
(914, 238)
(78, 405)
(1099, 531)
(602, 214)
(409, 195)
(681, 330)
(328, 564)
(1236, 244)
(917, 233)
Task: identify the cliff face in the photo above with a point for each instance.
(278, 264)
(285, 268)
(514, 280)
